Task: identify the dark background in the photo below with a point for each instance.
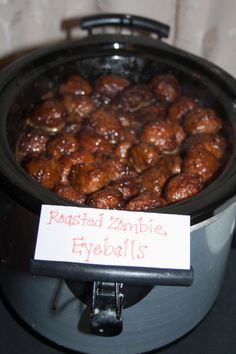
(216, 334)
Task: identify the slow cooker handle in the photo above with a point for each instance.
(107, 273)
(107, 293)
(106, 309)
(125, 20)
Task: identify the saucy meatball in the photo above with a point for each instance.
(45, 171)
(91, 141)
(134, 98)
(69, 193)
(202, 163)
(154, 178)
(88, 178)
(110, 85)
(144, 155)
(129, 187)
(50, 115)
(180, 108)
(106, 124)
(63, 144)
(75, 85)
(212, 143)
(73, 159)
(32, 143)
(173, 163)
(182, 186)
(78, 107)
(117, 169)
(166, 88)
(161, 134)
(145, 201)
(202, 120)
(107, 198)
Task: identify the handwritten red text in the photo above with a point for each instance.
(72, 220)
(139, 227)
(129, 248)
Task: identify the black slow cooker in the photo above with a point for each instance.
(61, 301)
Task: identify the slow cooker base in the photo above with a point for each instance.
(215, 334)
(165, 314)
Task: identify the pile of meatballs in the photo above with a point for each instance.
(115, 144)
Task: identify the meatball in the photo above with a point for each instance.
(201, 163)
(78, 107)
(145, 201)
(144, 155)
(134, 98)
(166, 88)
(180, 108)
(91, 141)
(62, 144)
(106, 124)
(161, 134)
(212, 143)
(31, 143)
(69, 193)
(129, 187)
(117, 169)
(107, 198)
(73, 159)
(202, 120)
(173, 163)
(45, 171)
(75, 85)
(182, 186)
(110, 85)
(50, 115)
(153, 179)
(88, 178)
(158, 108)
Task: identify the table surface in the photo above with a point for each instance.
(215, 334)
